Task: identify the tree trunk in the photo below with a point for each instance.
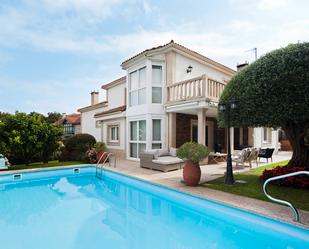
(296, 134)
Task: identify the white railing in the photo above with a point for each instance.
(195, 88)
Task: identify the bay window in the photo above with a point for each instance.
(156, 134)
(137, 137)
(156, 84)
(137, 87)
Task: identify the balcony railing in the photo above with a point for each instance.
(195, 88)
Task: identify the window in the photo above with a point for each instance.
(68, 129)
(156, 84)
(137, 137)
(156, 134)
(137, 87)
(114, 133)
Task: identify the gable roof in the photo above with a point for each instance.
(114, 83)
(177, 47)
(73, 119)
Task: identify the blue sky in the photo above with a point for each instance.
(54, 52)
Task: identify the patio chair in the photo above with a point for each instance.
(266, 153)
(242, 157)
(254, 153)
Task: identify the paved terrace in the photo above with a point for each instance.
(210, 172)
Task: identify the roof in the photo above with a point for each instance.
(114, 83)
(184, 49)
(73, 119)
(93, 107)
(113, 110)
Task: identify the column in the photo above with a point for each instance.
(275, 140)
(201, 124)
(171, 130)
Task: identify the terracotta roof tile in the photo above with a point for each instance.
(73, 119)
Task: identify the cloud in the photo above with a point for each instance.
(272, 4)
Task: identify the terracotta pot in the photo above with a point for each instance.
(191, 173)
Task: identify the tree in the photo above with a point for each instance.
(28, 136)
(50, 137)
(274, 92)
(52, 117)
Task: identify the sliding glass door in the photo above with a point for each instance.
(137, 137)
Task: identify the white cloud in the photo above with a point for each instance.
(272, 4)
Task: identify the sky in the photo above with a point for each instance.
(53, 53)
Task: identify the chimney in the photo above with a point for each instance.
(94, 97)
(242, 65)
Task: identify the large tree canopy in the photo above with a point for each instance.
(274, 92)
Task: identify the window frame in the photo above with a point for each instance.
(155, 84)
(156, 142)
(110, 127)
(137, 141)
(265, 133)
(68, 129)
(141, 87)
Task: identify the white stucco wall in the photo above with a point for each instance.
(116, 96)
(122, 133)
(198, 69)
(88, 124)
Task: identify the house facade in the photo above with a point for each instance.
(168, 96)
(71, 124)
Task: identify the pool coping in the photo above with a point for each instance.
(188, 190)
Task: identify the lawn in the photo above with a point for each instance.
(253, 187)
(43, 165)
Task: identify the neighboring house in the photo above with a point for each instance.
(169, 96)
(71, 124)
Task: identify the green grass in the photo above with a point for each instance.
(253, 187)
(43, 165)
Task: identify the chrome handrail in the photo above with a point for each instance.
(294, 210)
(98, 163)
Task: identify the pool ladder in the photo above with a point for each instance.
(294, 210)
(99, 166)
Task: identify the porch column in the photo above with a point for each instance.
(232, 139)
(201, 124)
(275, 140)
(171, 129)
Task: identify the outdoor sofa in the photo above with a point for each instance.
(266, 153)
(160, 159)
(246, 156)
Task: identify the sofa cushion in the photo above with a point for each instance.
(166, 160)
(163, 152)
(173, 152)
(155, 153)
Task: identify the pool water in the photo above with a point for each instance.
(61, 210)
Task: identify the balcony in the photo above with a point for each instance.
(199, 88)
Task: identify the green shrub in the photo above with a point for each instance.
(77, 146)
(192, 151)
(100, 146)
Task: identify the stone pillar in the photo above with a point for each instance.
(201, 123)
(171, 129)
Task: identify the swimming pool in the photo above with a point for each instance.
(73, 209)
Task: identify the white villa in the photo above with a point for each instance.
(168, 96)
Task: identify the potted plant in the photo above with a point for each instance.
(100, 148)
(192, 153)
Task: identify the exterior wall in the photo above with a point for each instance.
(88, 124)
(116, 96)
(117, 148)
(198, 69)
(77, 129)
(272, 138)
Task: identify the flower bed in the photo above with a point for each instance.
(300, 181)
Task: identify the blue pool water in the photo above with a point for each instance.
(61, 210)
